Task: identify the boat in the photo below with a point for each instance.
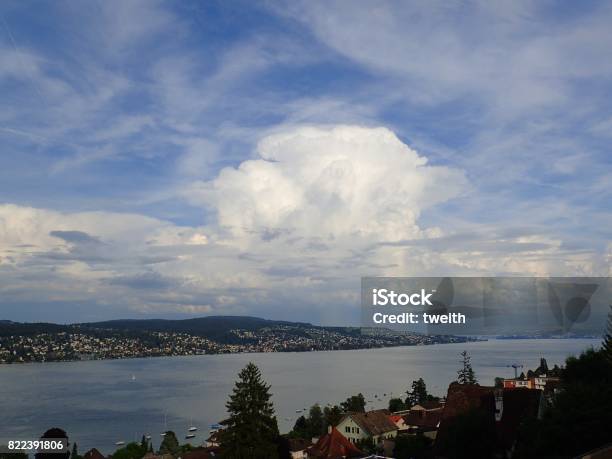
(188, 436)
(192, 429)
(298, 411)
(147, 437)
(120, 443)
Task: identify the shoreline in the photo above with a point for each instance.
(480, 339)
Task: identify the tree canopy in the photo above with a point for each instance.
(355, 403)
(130, 451)
(252, 430)
(580, 415)
(466, 375)
(169, 444)
(418, 393)
(396, 404)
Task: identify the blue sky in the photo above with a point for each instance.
(175, 159)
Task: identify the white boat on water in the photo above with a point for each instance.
(188, 436)
(120, 443)
(192, 429)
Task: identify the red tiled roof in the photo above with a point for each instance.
(333, 446)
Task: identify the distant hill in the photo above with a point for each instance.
(213, 327)
(9, 328)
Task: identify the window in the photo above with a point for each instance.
(347, 429)
(357, 429)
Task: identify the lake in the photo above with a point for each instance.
(101, 402)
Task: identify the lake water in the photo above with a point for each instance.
(101, 402)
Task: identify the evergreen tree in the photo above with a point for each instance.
(316, 421)
(543, 368)
(332, 415)
(355, 403)
(75, 453)
(143, 443)
(418, 393)
(252, 430)
(606, 346)
(169, 444)
(301, 428)
(466, 374)
(396, 404)
(580, 416)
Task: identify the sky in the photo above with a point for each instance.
(184, 159)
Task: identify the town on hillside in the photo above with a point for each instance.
(25, 343)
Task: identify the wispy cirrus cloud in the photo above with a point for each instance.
(237, 158)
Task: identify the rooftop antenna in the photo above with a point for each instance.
(516, 366)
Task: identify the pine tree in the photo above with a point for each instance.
(316, 421)
(606, 346)
(466, 374)
(74, 454)
(418, 394)
(252, 430)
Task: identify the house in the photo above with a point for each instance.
(298, 447)
(157, 456)
(423, 421)
(202, 453)
(333, 446)
(93, 454)
(375, 425)
(214, 439)
(504, 410)
(428, 405)
(398, 420)
(534, 382)
(516, 406)
(461, 399)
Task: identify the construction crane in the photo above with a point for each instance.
(516, 366)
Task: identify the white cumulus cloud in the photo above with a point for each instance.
(330, 183)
